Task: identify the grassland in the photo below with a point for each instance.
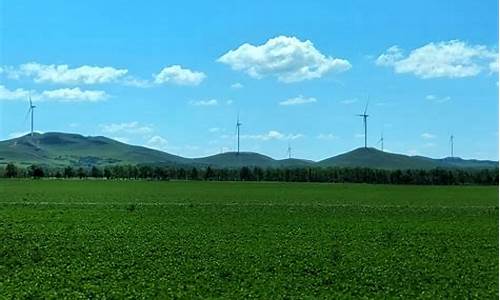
(141, 239)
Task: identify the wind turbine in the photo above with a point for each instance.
(451, 145)
(238, 124)
(364, 116)
(381, 142)
(31, 109)
(289, 150)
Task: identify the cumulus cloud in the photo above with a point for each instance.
(157, 142)
(298, 101)
(59, 95)
(74, 95)
(63, 74)
(287, 58)
(211, 102)
(17, 94)
(451, 59)
(272, 135)
(127, 128)
(178, 75)
(427, 136)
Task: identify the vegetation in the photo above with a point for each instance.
(154, 239)
(305, 174)
(58, 150)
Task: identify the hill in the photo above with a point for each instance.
(373, 158)
(250, 159)
(62, 149)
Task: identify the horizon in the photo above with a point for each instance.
(249, 152)
(176, 77)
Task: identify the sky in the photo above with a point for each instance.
(174, 75)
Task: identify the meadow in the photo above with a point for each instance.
(148, 239)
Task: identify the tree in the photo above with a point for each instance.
(68, 172)
(11, 170)
(194, 174)
(107, 173)
(95, 172)
(81, 173)
(36, 171)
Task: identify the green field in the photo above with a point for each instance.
(139, 239)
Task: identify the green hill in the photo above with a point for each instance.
(235, 160)
(373, 158)
(62, 149)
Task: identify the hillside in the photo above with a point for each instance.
(62, 149)
(249, 159)
(373, 158)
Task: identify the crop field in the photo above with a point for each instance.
(146, 239)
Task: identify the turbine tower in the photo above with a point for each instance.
(31, 110)
(289, 150)
(381, 141)
(451, 145)
(364, 116)
(238, 124)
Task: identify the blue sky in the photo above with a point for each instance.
(173, 75)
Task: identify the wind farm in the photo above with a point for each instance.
(249, 150)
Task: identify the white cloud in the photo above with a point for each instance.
(65, 75)
(214, 129)
(494, 65)
(437, 99)
(211, 102)
(59, 95)
(326, 136)
(298, 100)
(127, 128)
(73, 95)
(178, 75)
(272, 135)
(229, 102)
(236, 85)
(427, 136)
(349, 101)
(157, 142)
(287, 58)
(17, 94)
(452, 59)
(390, 57)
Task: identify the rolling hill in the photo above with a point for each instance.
(250, 159)
(62, 149)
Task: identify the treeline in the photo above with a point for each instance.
(353, 175)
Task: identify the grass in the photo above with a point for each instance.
(142, 239)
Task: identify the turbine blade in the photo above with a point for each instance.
(366, 107)
(27, 114)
